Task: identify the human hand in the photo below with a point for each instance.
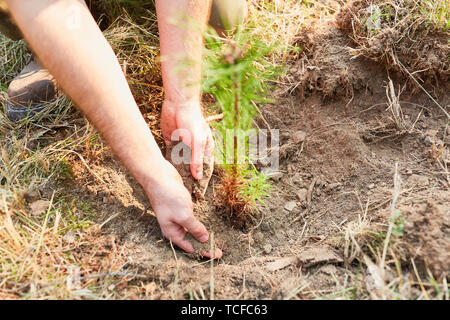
(173, 207)
(195, 132)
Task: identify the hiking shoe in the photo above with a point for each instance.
(29, 92)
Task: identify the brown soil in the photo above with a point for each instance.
(341, 169)
(402, 40)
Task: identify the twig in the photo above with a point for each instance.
(395, 195)
(41, 237)
(109, 219)
(86, 165)
(243, 288)
(262, 117)
(310, 191)
(214, 117)
(420, 280)
(176, 271)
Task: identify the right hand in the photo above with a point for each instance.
(173, 207)
(187, 116)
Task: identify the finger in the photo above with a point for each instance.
(184, 244)
(217, 254)
(177, 237)
(197, 152)
(194, 227)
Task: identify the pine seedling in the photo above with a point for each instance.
(237, 73)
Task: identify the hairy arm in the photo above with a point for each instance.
(68, 42)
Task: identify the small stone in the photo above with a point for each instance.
(321, 184)
(285, 134)
(329, 269)
(371, 186)
(428, 141)
(70, 237)
(105, 200)
(265, 226)
(299, 137)
(301, 194)
(39, 207)
(431, 139)
(297, 178)
(267, 248)
(290, 206)
(333, 186)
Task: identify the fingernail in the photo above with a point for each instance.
(203, 238)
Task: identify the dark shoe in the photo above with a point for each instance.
(29, 92)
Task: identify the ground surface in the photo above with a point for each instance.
(322, 231)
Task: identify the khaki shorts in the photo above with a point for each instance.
(225, 14)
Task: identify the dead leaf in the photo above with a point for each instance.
(281, 263)
(308, 258)
(316, 255)
(39, 207)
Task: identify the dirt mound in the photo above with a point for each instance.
(427, 236)
(343, 55)
(404, 36)
(327, 67)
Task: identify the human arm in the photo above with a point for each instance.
(85, 67)
(181, 107)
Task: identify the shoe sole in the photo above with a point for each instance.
(19, 113)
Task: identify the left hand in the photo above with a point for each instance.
(197, 133)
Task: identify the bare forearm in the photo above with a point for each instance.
(86, 68)
(183, 40)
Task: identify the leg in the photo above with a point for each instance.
(226, 15)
